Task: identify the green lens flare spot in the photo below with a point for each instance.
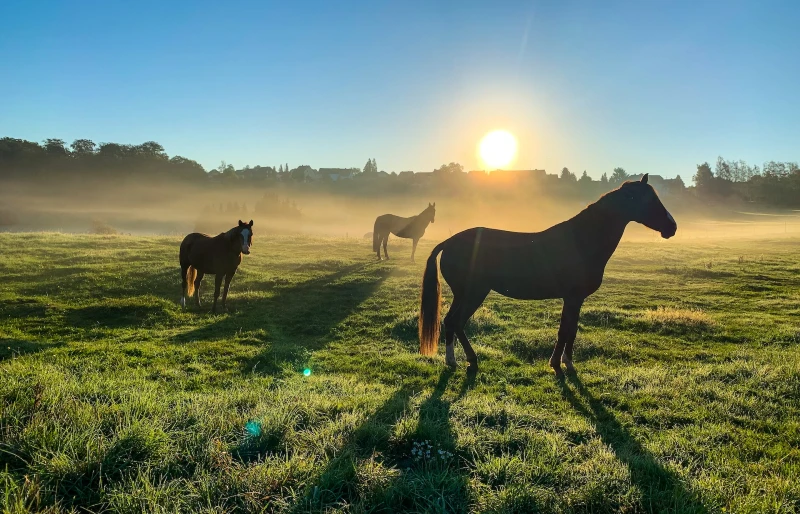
(307, 372)
(253, 428)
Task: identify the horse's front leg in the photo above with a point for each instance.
(228, 279)
(217, 284)
(566, 336)
(414, 249)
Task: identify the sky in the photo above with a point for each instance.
(651, 86)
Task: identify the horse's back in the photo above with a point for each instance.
(192, 238)
(384, 222)
(191, 242)
(524, 265)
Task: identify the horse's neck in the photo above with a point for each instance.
(228, 242)
(599, 231)
(419, 220)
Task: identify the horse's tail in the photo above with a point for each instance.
(376, 237)
(430, 305)
(191, 275)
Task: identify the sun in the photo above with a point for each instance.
(498, 148)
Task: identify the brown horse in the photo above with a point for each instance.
(408, 228)
(565, 261)
(219, 256)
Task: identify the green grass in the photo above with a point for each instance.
(112, 398)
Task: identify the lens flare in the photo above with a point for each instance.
(253, 428)
(307, 372)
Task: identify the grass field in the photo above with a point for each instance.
(112, 398)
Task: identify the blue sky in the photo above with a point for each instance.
(647, 85)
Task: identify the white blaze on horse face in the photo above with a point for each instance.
(245, 239)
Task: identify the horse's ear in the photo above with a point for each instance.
(434, 204)
(429, 204)
(240, 223)
(251, 223)
(644, 178)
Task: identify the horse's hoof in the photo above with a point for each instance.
(472, 367)
(569, 368)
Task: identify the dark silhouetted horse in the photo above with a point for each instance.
(219, 256)
(409, 228)
(565, 261)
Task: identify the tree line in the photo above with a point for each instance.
(85, 160)
(774, 183)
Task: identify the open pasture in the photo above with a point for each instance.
(113, 398)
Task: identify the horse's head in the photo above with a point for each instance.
(639, 202)
(430, 211)
(244, 235)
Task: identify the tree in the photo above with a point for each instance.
(722, 170)
(114, 150)
(187, 168)
(585, 178)
(83, 147)
(453, 167)
(567, 175)
(704, 179)
(604, 179)
(151, 149)
(55, 147)
(370, 166)
(679, 183)
(618, 176)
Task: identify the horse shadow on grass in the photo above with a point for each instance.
(660, 487)
(422, 483)
(123, 315)
(298, 319)
(12, 347)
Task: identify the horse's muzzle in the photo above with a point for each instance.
(672, 226)
(669, 232)
(246, 250)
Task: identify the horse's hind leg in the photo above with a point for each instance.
(414, 249)
(197, 281)
(566, 336)
(184, 283)
(461, 312)
(385, 240)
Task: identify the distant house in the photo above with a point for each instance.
(509, 175)
(537, 174)
(337, 174)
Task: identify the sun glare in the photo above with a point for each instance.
(498, 148)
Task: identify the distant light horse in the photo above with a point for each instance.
(565, 261)
(408, 228)
(220, 255)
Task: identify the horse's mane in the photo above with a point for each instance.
(228, 233)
